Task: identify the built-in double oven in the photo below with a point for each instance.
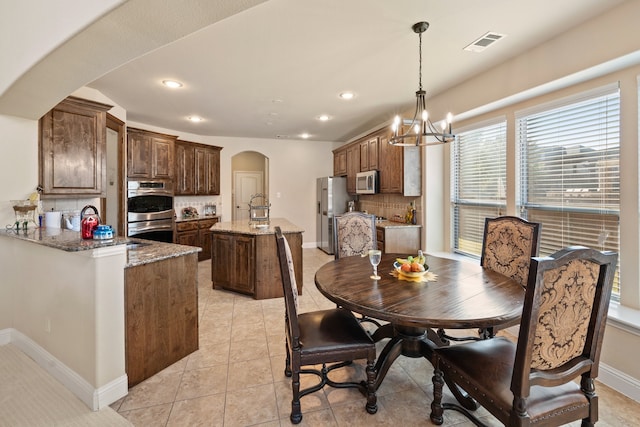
(150, 212)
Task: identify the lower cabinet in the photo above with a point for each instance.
(187, 233)
(248, 264)
(233, 262)
(204, 237)
(196, 233)
(161, 315)
(402, 239)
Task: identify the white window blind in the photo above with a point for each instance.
(479, 183)
(569, 177)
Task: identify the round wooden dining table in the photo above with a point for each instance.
(463, 296)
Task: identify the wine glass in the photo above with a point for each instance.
(374, 258)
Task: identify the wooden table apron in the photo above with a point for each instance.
(463, 296)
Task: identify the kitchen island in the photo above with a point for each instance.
(244, 258)
(94, 312)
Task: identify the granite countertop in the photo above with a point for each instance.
(243, 227)
(393, 224)
(195, 218)
(139, 251)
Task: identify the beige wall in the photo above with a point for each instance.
(597, 53)
(293, 168)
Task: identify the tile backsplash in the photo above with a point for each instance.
(389, 205)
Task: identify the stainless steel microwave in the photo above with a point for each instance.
(367, 182)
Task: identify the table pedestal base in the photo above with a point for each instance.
(412, 342)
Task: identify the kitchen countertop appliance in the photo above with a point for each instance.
(332, 199)
(89, 221)
(209, 209)
(150, 213)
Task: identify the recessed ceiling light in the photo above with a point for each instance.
(304, 135)
(347, 95)
(323, 117)
(172, 84)
(195, 119)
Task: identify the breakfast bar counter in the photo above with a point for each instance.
(244, 257)
(100, 315)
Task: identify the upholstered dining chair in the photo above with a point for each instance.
(508, 244)
(561, 332)
(332, 336)
(354, 234)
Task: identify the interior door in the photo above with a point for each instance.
(246, 185)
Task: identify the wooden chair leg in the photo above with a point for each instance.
(436, 404)
(287, 362)
(372, 400)
(296, 411)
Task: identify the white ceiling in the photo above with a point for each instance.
(271, 69)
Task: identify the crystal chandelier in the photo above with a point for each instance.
(420, 131)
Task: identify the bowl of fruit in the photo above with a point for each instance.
(411, 266)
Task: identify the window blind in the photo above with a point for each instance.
(569, 176)
(479, 183)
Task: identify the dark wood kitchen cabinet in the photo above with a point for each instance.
(195, 232)
(204, 237)
(400, 169)
(353, 167)
(197, 169)
(185, 177)
(72, 149)
(234, 260)
(161, 315)
(187, 233)
(369, 154)
(340, 162)
(245, 259)
(150, 154)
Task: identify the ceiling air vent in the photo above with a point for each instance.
(484, 42)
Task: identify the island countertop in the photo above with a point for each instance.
(243, 227)
(139, 251)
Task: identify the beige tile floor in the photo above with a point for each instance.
(236, 377)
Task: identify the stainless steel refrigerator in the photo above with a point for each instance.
(332, 200)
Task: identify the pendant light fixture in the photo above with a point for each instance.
(420, 130)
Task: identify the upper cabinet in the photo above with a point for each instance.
(340, 162)
(185, 176)
(197, 169)
(369, 154)
(72, 149)
(353, 166)
(399, 168)
(150, 154)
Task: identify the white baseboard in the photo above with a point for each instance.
(92, 397)
(619, 381)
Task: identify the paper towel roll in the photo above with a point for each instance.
(53, 219)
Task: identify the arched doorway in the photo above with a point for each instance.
(249, 176)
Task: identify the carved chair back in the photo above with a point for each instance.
(331, 336)
(508, 244)
(563, 319)
(290, 288)
(561, 331)
(354, 234)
